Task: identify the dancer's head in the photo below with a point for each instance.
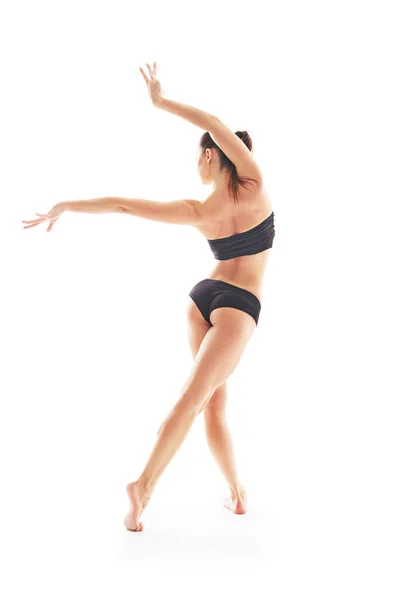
(216, 168)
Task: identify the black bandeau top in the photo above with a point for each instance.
(252, 241)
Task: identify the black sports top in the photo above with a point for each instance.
(252, 241)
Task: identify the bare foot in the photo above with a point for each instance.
(138, 504)
(237, 504)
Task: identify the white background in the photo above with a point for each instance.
(93, 326)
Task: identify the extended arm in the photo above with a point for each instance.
(179, 212)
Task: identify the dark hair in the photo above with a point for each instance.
(206, 142)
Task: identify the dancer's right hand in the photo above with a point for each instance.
(52, 216)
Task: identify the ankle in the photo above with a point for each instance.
(145, 487)
(238, 491)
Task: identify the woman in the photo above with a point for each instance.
(224, 308)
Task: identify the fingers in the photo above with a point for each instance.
(49, 216)
(144, 75)
(34, 225)
(33, 221)
(152, 71)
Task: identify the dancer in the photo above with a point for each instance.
(223, 309)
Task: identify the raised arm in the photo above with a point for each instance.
(194, 115)
(225, 139)
(236, 151)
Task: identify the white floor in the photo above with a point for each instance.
(195, 548)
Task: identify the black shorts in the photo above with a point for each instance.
(214, 293)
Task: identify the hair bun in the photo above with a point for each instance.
(245, 137)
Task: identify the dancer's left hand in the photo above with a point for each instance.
(153, 84)
(51, 216)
